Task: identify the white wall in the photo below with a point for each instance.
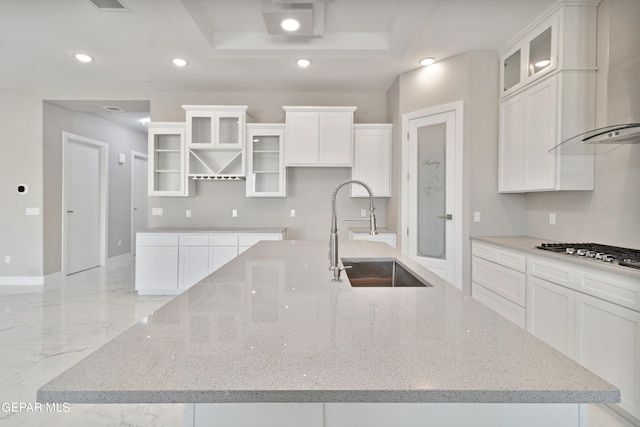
(120, 140)
(20, 163)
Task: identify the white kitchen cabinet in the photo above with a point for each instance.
(167, 175)
(543, 105)
(530, 57)
(607, 342)
(551, 303)
(550, 314)
(372, 159)
(215, 126)
(169, 263)
(222, 249)
(215, 137)
(499, 280)
(156, 263)
(266, 175)
(533, 122)
(193, 260)
(319, 136)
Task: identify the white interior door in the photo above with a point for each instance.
(83, 205)
(431, 193)
(139, 177)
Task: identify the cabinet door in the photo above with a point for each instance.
(335, 139)
(301, 138)
(550, 314)
(510, 145)
(540, 112)
(607, 342)
(156, 269)
(194, 265)
(266, 171)
(167, 174)
(229, 129)
(372, 161)
(220, 255)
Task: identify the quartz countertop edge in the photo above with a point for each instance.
(527, 244)
(271, 326)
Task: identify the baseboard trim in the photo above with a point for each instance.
(21, 280)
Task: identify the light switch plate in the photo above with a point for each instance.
(477, 216)
(32, 211)
(552, 219)
(157, 211)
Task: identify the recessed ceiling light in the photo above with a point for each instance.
(83, 57)
(427, 61)
(303, 63)
(290, 24)
(179, 62)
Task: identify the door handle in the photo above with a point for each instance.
(447, 217)
(69, 211)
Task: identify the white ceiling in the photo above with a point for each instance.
(362, 47)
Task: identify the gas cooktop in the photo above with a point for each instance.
(613, 254)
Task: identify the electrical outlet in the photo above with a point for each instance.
(188, 213)
(477, 216)
(7, 259)
(234, 213)
(363, 213)
(552, 219)
(119, 242)
(292, 213)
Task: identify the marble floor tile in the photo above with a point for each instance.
(46, 329)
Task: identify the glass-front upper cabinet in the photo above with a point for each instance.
(540, 52)
(265, 169)
(512, 70)
(530, 57)
(167, 175)
(215, 126)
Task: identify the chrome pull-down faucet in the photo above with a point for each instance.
(333, 238)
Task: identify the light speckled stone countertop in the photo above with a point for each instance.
(270, 326)
(528, 245)
(214, 230)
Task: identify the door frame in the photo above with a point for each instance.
(103, 147)
(134, 155)
(457, 108)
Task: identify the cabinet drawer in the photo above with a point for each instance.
(618, 289)
(500, 305)
(252, 239)
(157, 239)
(194, 240)
(514, 260)
(503, 281)
(554, 272)
(223, 240)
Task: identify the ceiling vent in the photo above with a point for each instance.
(109, 5)
(113, 108)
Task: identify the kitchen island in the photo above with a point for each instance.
(271, 330)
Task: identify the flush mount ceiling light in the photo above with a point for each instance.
(425, 62)
(303, 62)
(145, 121)
(290, 24)
(179, 62)
(543, 63)
(83, 57)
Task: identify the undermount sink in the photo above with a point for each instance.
(387, 272)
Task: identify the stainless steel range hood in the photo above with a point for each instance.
(600, 141)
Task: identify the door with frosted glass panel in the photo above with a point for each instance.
(430, 193)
